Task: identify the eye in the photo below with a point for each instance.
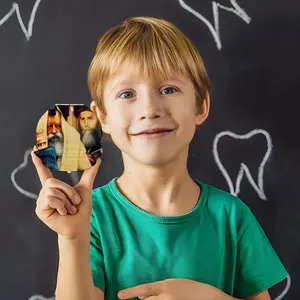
(169, 90)
(127, 94)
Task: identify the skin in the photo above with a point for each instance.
(158, 166)
(67, 210)
(87, 120)
(54, 124)
(179, 289)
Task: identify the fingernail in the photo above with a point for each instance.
(73, 209)
(77, 199)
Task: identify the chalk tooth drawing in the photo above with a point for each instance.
(16, 170)
(74, 176)
(285, 291)
(215, 29)
(40, 297)
(244, 170)
(16, 9)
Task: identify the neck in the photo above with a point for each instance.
(164, 190)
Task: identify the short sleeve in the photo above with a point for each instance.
(96, 255)
(258, 266)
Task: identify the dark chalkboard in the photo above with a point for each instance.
(249, 145)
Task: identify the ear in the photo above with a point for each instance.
(203, 111)
(102, 116)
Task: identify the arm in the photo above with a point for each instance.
(74, 280)
(258, 267)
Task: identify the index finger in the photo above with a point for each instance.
(43, 172)
(142, 290)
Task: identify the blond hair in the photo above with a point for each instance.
(155, 47)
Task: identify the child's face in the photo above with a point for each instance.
(134, 105)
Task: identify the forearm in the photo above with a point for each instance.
(74, 279)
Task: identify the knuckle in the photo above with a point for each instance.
(40, 200)
(50, 181)
(67, 203)
(50, 200)
(54, 192)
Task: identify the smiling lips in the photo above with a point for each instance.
(154, 132)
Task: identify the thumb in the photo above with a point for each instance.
(43, 172)
(89, 175)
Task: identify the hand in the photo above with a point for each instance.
(65, 209)
(174, 289)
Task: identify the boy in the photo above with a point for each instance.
(154, 232)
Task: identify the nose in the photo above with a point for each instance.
(86, 123)
(53, 129)
(151, 107)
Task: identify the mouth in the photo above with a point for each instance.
(154, 132)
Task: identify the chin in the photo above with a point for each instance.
(156, 159)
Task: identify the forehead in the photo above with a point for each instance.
(135, 74)
(86, 113)
(54, 119)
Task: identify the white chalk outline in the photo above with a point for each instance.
(215, 30)
(16, 170)
(244, 169)
(74, 176)
(16, 9)
(40, 297)
(223, 170)
(285, 291)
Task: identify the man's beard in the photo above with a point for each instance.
(57, 141)
(90, 139)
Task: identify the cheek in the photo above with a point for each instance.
(185, 116)
(118, 122)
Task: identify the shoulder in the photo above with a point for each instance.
(101, 193)
(220, 200)
(225, 206)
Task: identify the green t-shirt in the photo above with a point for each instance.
(219, 242)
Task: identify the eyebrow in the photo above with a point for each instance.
(128, 82)
(177, 79)
(56, 123)
(119, 83)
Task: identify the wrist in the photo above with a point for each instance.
(79, 242)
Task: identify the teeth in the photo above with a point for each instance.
(244, 170)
